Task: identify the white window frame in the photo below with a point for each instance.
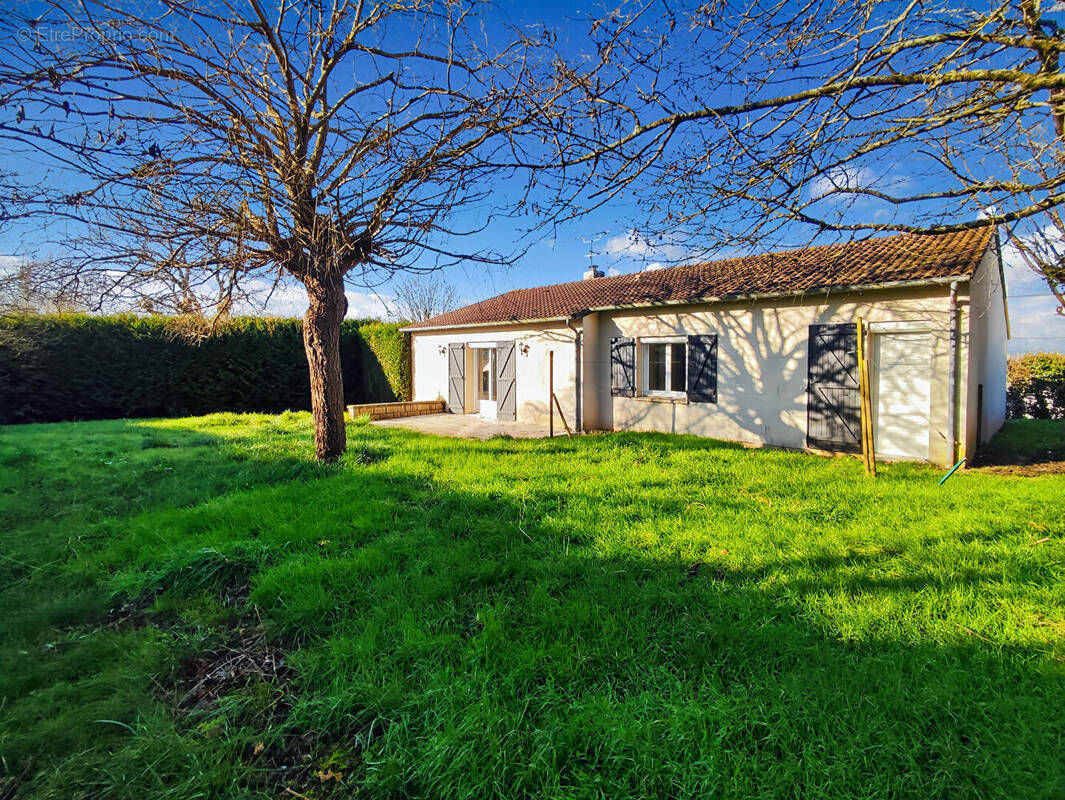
(491, 351)
(645, 361)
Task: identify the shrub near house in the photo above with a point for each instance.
(1036, 386)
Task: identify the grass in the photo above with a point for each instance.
(193, 608)
(1027, 442)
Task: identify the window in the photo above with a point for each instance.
(485, 359)
(665, 367)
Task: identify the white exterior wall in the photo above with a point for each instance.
(592, 368)
(762, 364)
(531, 368)
(987, 336)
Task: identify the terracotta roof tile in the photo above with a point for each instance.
(870, 262)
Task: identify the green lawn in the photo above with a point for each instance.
(193, 608)
(1028, 442)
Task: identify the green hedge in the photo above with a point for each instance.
(390, 348)
(1036, 386)
(74, 366)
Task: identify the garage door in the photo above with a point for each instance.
(903, 369)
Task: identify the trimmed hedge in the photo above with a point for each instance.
(76, 367)
(1036, 386)
(390, 348)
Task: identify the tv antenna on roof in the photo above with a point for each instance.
(593, 271)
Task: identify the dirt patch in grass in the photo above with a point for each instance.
(1024, 470)
(236, 679)
(282, 758)
(207, 676)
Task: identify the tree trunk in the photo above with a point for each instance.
(321, 341)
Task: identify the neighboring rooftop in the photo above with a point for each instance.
(862, 264)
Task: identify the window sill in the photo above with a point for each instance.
(658, 398)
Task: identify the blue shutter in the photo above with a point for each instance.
(702, 368)
(833, 399)
(622, 367)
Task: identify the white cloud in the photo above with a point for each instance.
(627, 244)
(1021, 279)
(636, 246)
(654, 266)
(9, 264)
(368, 304)
(290, 300)
(841, 180)
(612, 271)
(1035, 324)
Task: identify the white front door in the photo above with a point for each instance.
(486, 382)
(903, 369)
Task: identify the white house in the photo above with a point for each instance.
(759, 349)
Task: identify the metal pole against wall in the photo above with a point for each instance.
(550, 393)
(952, 375)
(865, 401)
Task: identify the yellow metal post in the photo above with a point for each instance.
(868, 453)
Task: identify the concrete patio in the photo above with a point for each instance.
(469, 426)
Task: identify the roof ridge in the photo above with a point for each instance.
(772, 253)
(866, 262)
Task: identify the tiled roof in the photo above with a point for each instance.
(866, 263)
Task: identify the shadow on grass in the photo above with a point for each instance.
(445, 620)
(1026, 447)
(450, 639)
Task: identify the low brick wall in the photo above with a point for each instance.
(394, 410)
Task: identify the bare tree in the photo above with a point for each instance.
(733, 122)
(26, 288)
(1040, 244)
(1043, 251)
(418, 299)
(208, 150)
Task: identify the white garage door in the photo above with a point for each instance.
(903, 367)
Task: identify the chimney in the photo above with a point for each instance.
(592, 272)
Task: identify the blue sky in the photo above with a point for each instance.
(1035, 325)
(563, 254)
(605, 237)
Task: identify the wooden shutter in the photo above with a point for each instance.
(507, 405)
(833, 401)
(456, 378)
(702, 368)
(622, 367)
